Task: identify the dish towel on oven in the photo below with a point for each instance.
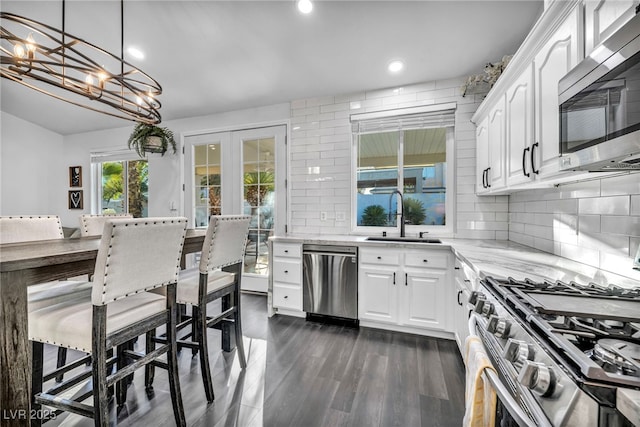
(480, 398)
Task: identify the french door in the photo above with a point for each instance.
(240, 172)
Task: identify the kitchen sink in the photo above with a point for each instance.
(403, 239)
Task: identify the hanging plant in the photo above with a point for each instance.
(147, 138)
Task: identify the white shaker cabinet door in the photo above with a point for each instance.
(424, 301)
(377, 294)
(560, 54)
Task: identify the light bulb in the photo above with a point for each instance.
(18, 51)
(89, 80)
(31, 43)
(305, 6)
(138, 100)
(102, 77)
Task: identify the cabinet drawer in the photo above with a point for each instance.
(386, 258)
(426, 259)
(292, 250)
(287, 297)
(287, 271)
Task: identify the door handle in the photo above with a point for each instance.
(406, 280)
(458, 298)
(524, 162)
(394, 277)
(488, 184)
(484, 178)
(533, 150)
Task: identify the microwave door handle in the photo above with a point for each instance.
(524, 162)
(533, 151)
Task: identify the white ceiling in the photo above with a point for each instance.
(216, 56)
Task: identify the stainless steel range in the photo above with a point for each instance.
(563, 351)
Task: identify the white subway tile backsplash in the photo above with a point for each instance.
(615, 205)
(627, 225)
(621, 185)
(635, 205)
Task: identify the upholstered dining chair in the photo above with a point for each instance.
(92, 225)
(218, 275)
(135, 256)
(29, 228)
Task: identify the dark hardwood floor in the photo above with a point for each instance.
(303, 373)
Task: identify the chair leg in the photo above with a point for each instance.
(195, 330)
(149, 369)
(199, 320)
(62, 360)
(237, 322)
(172, 361)
(121, 386)
(99, 368)
(37, 349)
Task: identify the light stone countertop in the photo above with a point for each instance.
(496, 258)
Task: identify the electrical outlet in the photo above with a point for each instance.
(323, 216)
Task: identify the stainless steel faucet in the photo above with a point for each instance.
(398, 192)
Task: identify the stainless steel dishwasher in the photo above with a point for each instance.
(330, 281)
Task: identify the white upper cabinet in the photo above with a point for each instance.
(482, 155)
(517, 126)
(603, 18)
(520, 129)
(490, 145)
(560, 54)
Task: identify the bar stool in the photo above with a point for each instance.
(29, 228)
(135, 256)
(92, 225)
(219, 275)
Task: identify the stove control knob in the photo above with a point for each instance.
(479, 305)
(488, 309)
(518, 352)
(473, 298)
(538, 377)
(499, 326)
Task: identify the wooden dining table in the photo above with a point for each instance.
(25, 264)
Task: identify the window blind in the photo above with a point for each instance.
(114, 156)
(432, 116)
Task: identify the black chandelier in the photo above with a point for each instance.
(68, 68)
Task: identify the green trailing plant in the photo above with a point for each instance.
(414, 211)
(374, 215)
(139, 139)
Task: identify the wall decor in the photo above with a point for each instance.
(75, 176)
(75, 199)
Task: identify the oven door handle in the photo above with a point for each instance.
(503, 393)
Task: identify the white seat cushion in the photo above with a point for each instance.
(45, 294)
(69, 324)
(188, 282)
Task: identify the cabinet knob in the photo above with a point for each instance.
(425, 260)
(379, 257)
(286, 296)
(286, 271)
(286, 251)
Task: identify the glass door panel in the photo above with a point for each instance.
(259, 200)
(207, 182)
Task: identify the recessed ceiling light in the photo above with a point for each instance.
(305, 6)
(135, 52)
(395, 66)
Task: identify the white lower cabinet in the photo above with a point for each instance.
(287, 276)
(404, 287)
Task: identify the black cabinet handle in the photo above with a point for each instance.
(286, 296)
(286, 251)
(394, 278)
(286, 271)
(533, 150)
(484, 178)
(524, 162)
(406, 279)
(379, 257)
(456, 268)
(458, 298)
(425, 260)
(488, 184)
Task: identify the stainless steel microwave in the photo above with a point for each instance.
(599, 105)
